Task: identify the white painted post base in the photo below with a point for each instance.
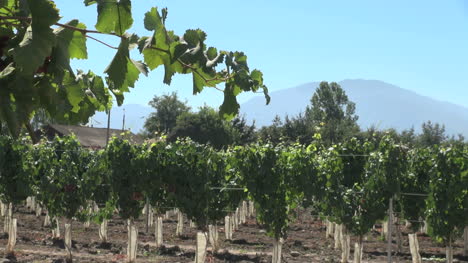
(237, 218)
(330, 229)
(56, 230)
(158, 232)
(243, 214)
(465, 242)
(228, 227)
(180, 224)
(166, 215)
(132, 241)
(449, 252)
(33, 203)
(28, 203)
(68, 242)
(414, 248)
(345, 245)
(46, 220)
(424, 227)
(252, 209)
(213, 237)
(358, 247)
(8, 216)
(11, 237)
(151, 217)
(234, 222)
(384, 229)
(200, 252)
(337, 236)
(103, 231)
(3, 208)
(277, 246)
(87, 224)
(38, 210)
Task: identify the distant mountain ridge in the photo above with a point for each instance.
(377, 103)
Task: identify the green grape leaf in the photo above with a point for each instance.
(38, 39)
(230, 107)
(153, 19)
(10, 4)
(114, 16)
(77, 48)
(70, 44)
(154, 58)
(123, 72)
(74, 90)
(198, 83)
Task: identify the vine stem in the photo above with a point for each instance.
(84, 31)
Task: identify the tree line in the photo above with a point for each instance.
(330, 113)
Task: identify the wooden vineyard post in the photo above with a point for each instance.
(389, 234)
(3, 208)
(200, 252)
(244, 212)
(358, 247)
(228, 227)
(46, 220)
(11, 237)
(132, 246)
(449, 251)
(465, 242)
(345, 244)
(277, 247)
(38, 210)
(147, 214)
(8, 216)
(68, 242)
(180, 223)
(103, 231)
(414, 248)
(158, 232)
(56, 230)
(337, 236)
(213, 237)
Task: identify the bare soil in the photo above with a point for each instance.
(306, 242)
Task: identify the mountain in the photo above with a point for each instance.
(135, 116)
(377, 103)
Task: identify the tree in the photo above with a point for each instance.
(447, 203)
(272, 133)
(204, 126)
(432, 134)
(298, 129)
(331, 107)
(242, 132)
(168, 109)
(36, 49)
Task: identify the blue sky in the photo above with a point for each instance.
(420, 45)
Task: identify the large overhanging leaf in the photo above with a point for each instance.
(114, 16)
(123, 71)
(38, 39)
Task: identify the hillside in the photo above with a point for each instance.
(377, 103)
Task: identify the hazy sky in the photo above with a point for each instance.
(420, 45)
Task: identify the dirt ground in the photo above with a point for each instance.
(306, 242)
